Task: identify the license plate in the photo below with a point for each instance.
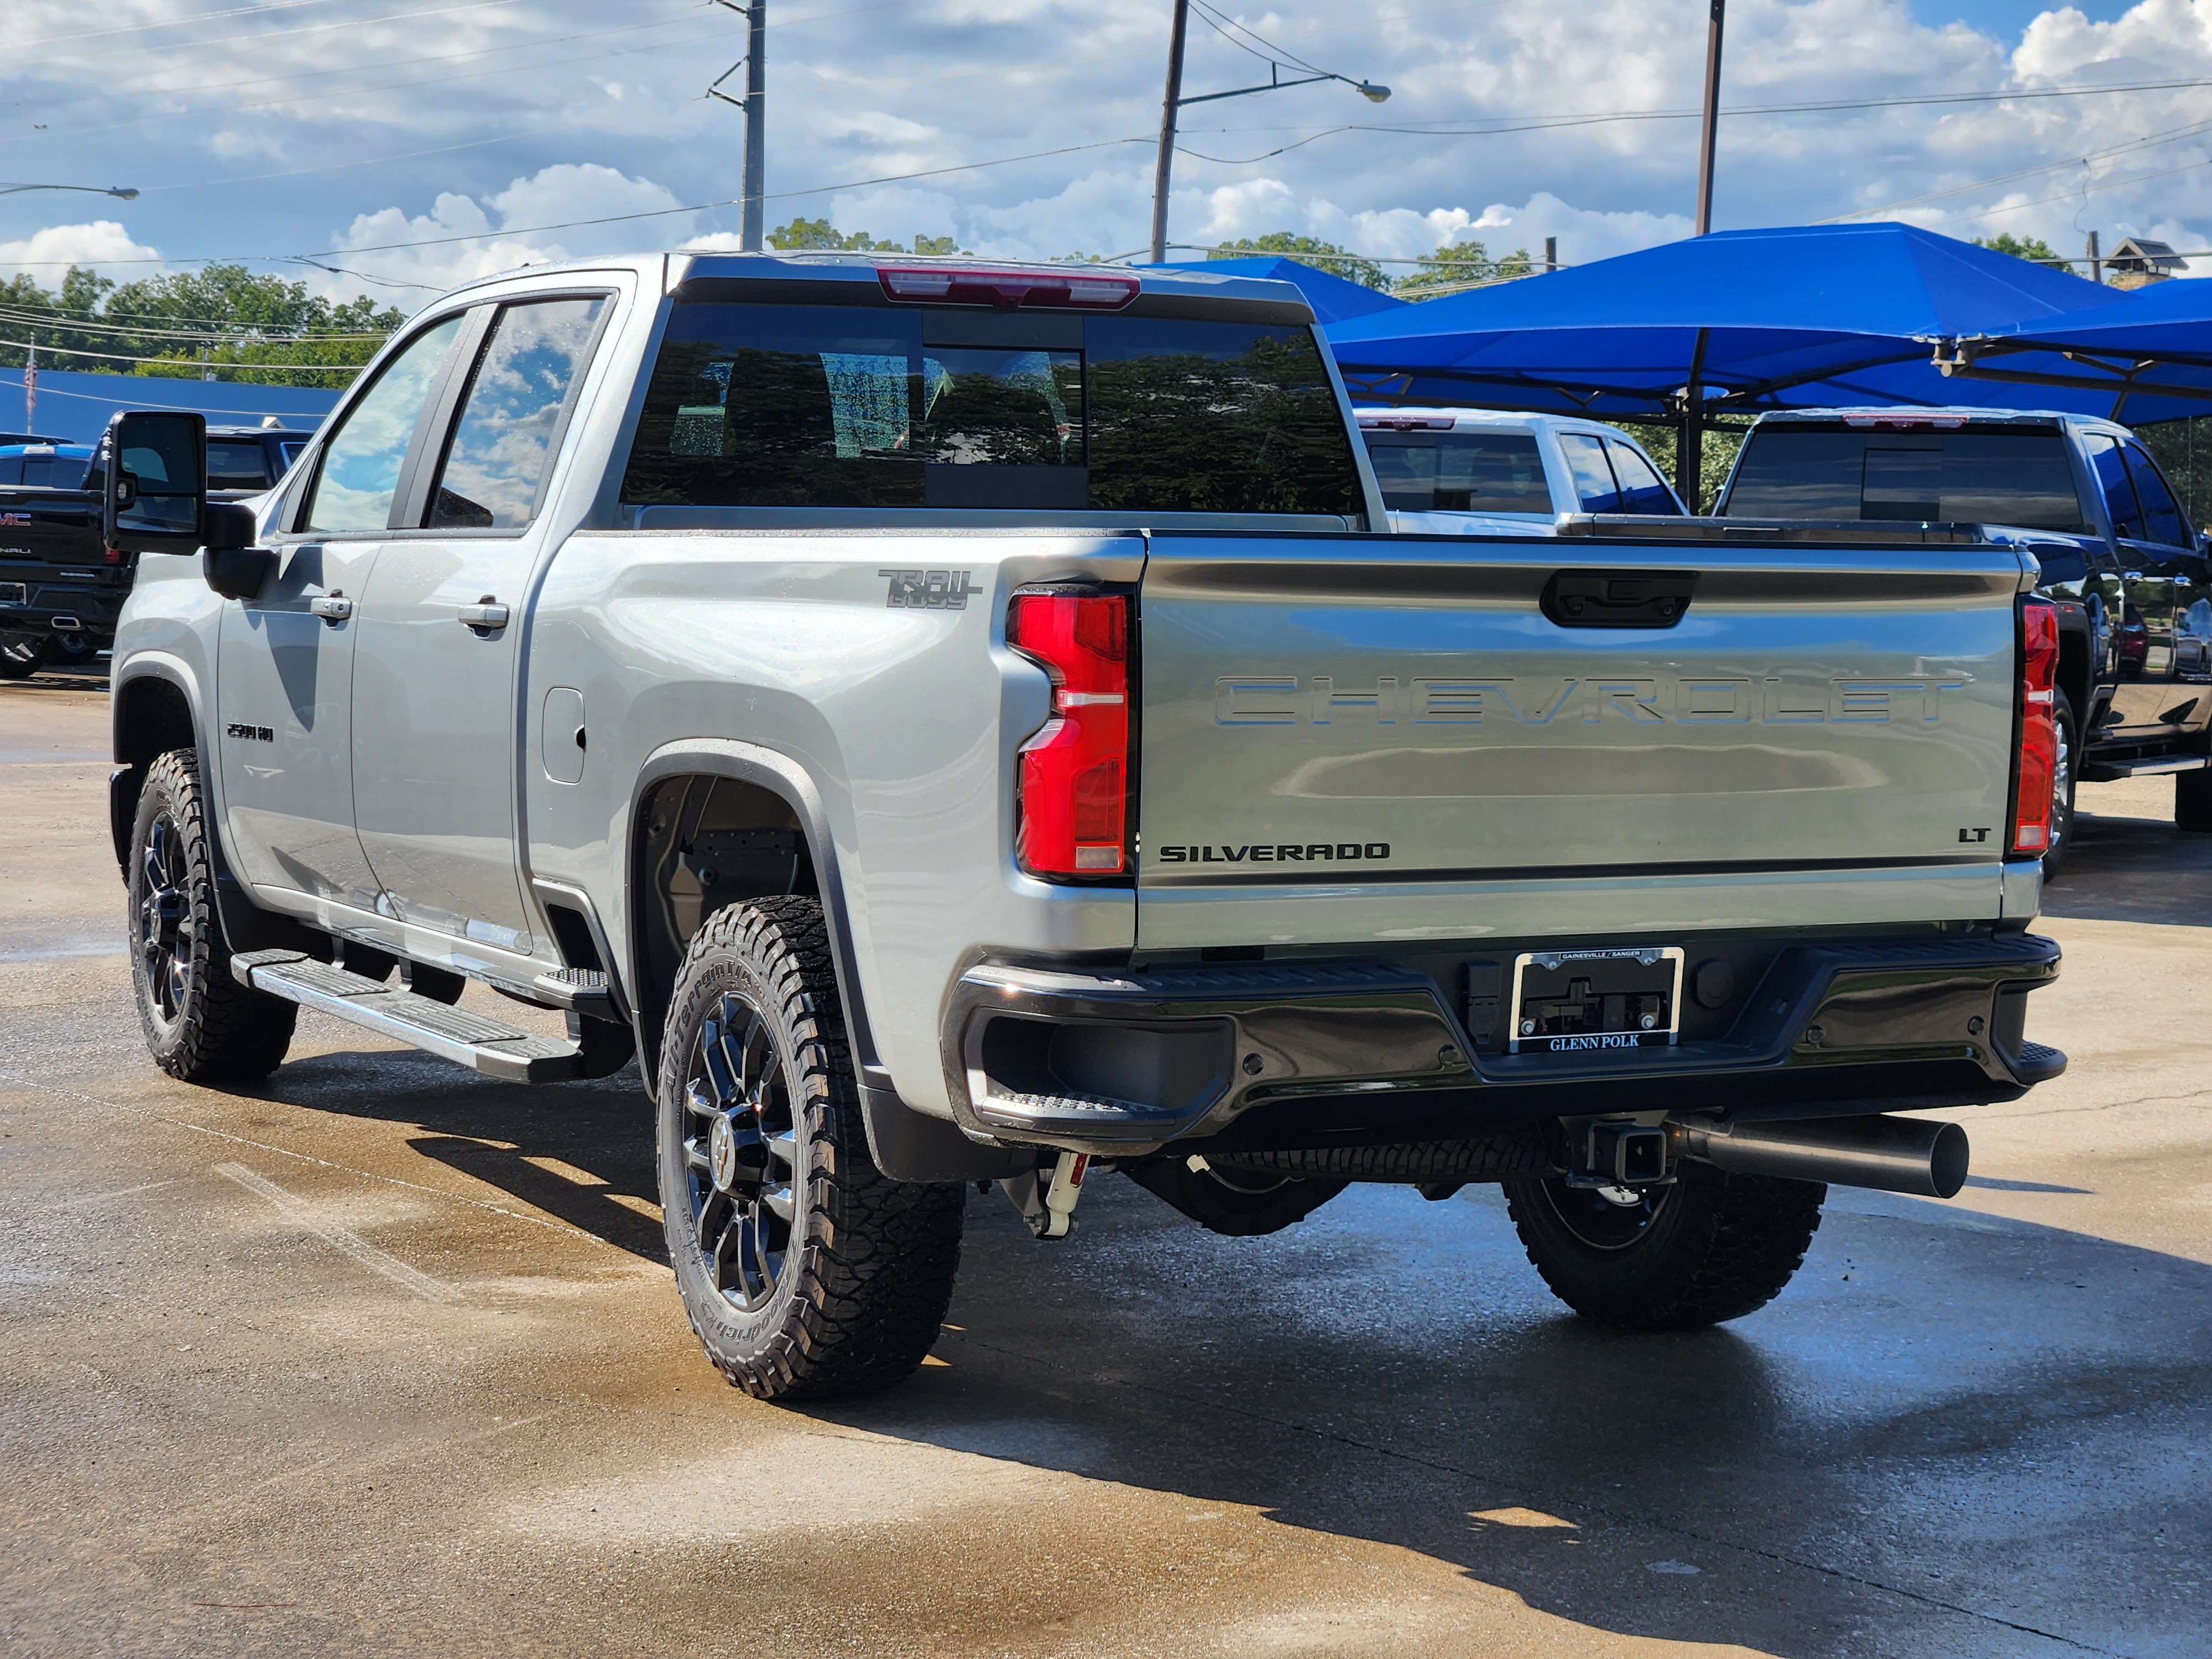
(1589, 1001)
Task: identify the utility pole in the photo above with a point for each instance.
(2096, 261)
(1551, 254)
(755, 121)
(1305, 75)
(1712, 118)
(752, 196)
(1167, 107)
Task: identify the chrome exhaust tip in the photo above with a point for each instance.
(1888, 1154)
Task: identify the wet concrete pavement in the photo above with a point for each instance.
(381, 1357)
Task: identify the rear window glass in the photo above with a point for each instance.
(1594, 479)
(44, 471)
(836, 406)
(1459, 471)
(1947, 477)
(237, 464)
(1641, 489)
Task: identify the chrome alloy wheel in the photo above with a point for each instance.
(741, 1154)
(1606, 1217)
(165, 919)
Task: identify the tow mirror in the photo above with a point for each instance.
(154, 499)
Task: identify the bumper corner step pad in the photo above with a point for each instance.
(579, 990)
(489, 1046)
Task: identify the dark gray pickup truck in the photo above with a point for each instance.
(60, 590)
(2126, 575)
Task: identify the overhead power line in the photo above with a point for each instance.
(19, 317)
(172, 23)
(2153, 141)
(575, 224)
(257, 38)
(183, 363)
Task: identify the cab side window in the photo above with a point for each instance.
(1640, 489)
(362, 460)
(2161, 515)
(496, 464)
(1593, 480)
(2105, 461)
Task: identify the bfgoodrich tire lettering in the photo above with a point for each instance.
(1713, 1246)
(200, 1024)
(806, 1272)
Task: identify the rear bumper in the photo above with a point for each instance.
(1305, 1052)
(35, 604)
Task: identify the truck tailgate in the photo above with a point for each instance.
(1379, 737)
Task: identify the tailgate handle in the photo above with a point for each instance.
(1617, 598)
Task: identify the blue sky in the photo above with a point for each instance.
(414, 143)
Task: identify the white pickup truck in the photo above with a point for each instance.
(958, 723)
(1479, 471)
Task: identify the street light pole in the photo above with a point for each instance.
(1175, 100)
(1167, 107)
(121, 192)
(1712, 118)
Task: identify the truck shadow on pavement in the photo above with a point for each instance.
(1953, 1432)
(2132, 869)
(581, 1153)
(1950, 1435)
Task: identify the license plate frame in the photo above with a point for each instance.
(1658, 969)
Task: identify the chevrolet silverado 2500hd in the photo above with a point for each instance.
(958, 724)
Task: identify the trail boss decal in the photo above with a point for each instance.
(929, 590)
(1319, 851)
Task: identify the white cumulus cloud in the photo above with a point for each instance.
(46, 254)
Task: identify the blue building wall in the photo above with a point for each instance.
(76, 406)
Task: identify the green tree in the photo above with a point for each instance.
(820, 236)
(1462, 265)
(2034, 248)
(1307, 250)
(249, 328)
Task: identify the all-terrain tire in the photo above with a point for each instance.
(200, 1024)
(864, 1264)
(2192, 801)
(20, 655)
(1713, 1246)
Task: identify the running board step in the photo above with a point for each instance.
(2113, 771)
(485, 1045)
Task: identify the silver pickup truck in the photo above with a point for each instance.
(957, 725)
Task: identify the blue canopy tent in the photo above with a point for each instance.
(2144, 356)
(1334, 299)
(1808, 317)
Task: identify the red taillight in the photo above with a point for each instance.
(2039, 729)
(1075, 772)
(1005, 290)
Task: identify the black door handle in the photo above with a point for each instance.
(1617, 598)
